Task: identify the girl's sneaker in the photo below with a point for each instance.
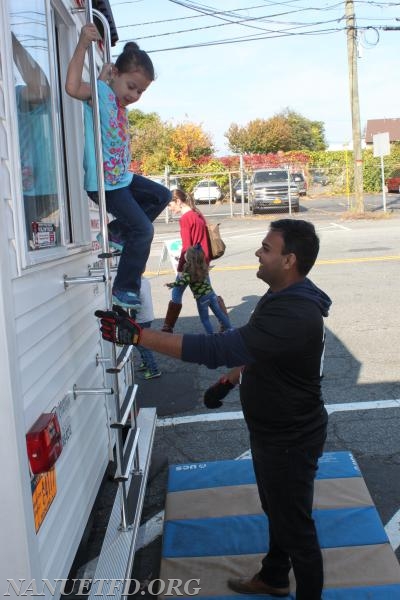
(151, 374)
(126, 299)
(142, 367)
(113, 241)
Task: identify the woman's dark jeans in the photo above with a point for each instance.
(135, 208)
(285, 480)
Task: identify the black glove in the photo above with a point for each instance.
(215, 393)
(118, 327)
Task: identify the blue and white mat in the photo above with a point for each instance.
(215, 529)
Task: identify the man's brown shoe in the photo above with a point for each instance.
(255, 585)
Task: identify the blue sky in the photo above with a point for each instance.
(217, 85)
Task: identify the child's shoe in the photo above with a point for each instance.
(114, 241)
(126, 299)
(141, 367)
(151, 374)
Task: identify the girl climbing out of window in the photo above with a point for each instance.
(133, 200)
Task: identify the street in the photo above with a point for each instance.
(358, 268)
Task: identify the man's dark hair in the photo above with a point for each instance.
(299, 238)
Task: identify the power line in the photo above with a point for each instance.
(211, 12)
(245, 39)
(244, 22)
(240, 22)
(231, 17)
(187, 18)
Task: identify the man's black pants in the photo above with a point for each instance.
(285, 480)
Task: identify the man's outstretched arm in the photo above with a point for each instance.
(225, 349)
(165, 343)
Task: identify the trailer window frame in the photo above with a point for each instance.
(74, 233)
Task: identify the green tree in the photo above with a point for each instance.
(150, 140)
(306, 134)
(285, 131)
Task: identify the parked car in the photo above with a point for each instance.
(320, 178)
(393, 182)
(207, 190)
(273, 189)
(237, 190)
(173, 182)
(301, 183)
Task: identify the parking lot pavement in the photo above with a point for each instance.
(358, 267)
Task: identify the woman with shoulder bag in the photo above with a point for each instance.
(193, 230)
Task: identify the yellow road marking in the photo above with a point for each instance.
(332, 261)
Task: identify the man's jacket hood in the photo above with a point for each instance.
(307, 289)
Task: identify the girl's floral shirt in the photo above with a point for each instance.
(115, 142)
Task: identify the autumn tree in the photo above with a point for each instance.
(155, 143)
(285, 132)
(188, 143)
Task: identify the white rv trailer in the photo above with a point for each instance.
(60, 385)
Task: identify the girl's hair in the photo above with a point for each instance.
(196, 265)
(133, 58)
(180, 195)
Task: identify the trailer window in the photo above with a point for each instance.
(39, 150)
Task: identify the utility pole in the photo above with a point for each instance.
(355, 105)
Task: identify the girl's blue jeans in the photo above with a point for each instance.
(135, 208)
(177, 293)
(211, 300)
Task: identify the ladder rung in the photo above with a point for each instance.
(121, 360)
(96, 270)
(90, 391)
(133, 498)
(126, 406)
(129, 454)
(88, 279)
(103, 255)
(128, 402)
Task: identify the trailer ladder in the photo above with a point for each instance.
(134, 429)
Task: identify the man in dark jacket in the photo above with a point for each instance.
(277, 358)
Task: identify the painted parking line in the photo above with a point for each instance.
(235, 415)
(393, 531)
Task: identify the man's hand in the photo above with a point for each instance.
(217, 392)
(118, 327)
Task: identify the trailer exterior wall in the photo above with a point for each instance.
(50, 341)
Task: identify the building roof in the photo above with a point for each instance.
(374, 126)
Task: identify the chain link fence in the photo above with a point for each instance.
(320, 180)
